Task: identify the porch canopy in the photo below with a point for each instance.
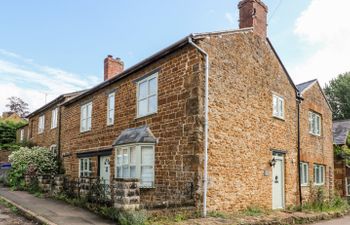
(135, 135)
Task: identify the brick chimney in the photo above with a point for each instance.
(253, 13)
(112, 67)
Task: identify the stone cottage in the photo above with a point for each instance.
(210, 121)
(341, 130)
(316, 143)
(44, 127)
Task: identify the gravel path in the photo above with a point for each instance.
(7, 217)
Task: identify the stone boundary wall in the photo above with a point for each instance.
(122, 193)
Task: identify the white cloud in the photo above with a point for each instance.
(23, 78)
(230, 18)
(323, 25)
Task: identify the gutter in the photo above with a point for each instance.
(206, 101)
(59, 137)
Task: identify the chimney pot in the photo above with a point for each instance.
(112, 67)
(253, 13)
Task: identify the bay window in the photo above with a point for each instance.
(136, 161)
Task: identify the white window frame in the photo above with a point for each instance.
(54, 118)
(315, 123)
(21, 137)
(85, 167)
(138, 162)
(41, 124)
(53, 149)
(347, 186)
(110, 120)
(304, 174)
(319, 170)
(278, 106)
(85, 119)
(138, 100)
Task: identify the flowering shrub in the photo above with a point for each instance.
(34, 161)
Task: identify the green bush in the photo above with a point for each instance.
(36, 161)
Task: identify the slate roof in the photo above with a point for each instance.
(162, 53)
(65, 97)
(340, 131)
(301, 87)
(135, 135)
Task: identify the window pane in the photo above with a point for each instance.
(275, 107)
(153, 86)
(132, 171)
(147, 175)
(125, 156)
(119, 171)
(147, 155)
(89, 110)
(152, 104)
(119, 157)
(143, 90)
(81, 165)
(125, 171)
(142, 107)
(111, 102)
(132, 156)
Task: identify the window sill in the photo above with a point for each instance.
(304, 185)
(279, 118)
(110, 125)
(315, 135)
(147, 115)
(52, 128)
(83, 132)
(318, 184)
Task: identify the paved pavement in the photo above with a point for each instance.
(52, 211)
(341, 221)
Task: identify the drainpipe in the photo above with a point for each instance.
(59, 138)
(299, 99)
(206, 101)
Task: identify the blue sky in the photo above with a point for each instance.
(52, 47)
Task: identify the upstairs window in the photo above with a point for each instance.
(85, 117)
(278, 106)
(147, 91)
(110, 109)
(304, 173)
(85, 167)
(41, 124)
(54, 117)
(136, 161)
(314, 123)
(319, 171)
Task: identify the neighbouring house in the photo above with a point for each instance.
(22, 134)
(316, 142)
(44, 127)
(210, 121)
(12, 116)
(341, 167)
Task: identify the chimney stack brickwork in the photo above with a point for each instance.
(112, 67)
(253, 13)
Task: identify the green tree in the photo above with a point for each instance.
(338, 95)
(18, 106)
(8, 134)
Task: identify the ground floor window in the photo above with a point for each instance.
(319, 171)
(85, 167)
(347, 186)
(136, 161)
(304, 173)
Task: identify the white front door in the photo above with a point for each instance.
(278, 182)
(105, 170)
